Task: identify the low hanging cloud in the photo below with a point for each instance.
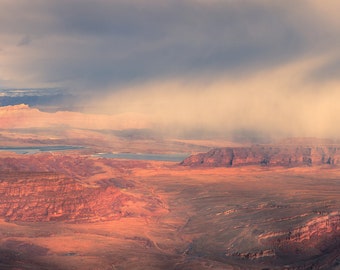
(194, 64)
(275, 103)
(95, 45)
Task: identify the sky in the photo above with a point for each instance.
(192, 66)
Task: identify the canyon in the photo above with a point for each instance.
(228, 205)
(47, 187)
(43, 197)
(75, 211)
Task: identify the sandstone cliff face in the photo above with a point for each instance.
(266, 155)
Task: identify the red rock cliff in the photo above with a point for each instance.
(280, 155)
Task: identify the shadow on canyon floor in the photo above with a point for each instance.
(165, 216)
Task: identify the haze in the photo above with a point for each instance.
(169, 134)
(213, 67)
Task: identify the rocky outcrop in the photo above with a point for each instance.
(267, 155)
(71, 188)
(252, 255)
(38, 197)
(316, 243)
(312, 231)
(313, 244)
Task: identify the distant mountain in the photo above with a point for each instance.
(47, 99)
(23, 116)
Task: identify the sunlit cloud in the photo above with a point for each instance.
(194, 64)
(277, 102)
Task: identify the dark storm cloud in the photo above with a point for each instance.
(102, 43)
(143, 40)
(329, 71)
(25, 41)
(219, 65)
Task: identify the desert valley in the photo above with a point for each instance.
(218, 205)
(169, 135)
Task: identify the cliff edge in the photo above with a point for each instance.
(267, 155)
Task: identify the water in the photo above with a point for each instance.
(36, 149)
(132, 156)
(156, 157)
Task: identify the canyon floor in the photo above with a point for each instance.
(71, 211)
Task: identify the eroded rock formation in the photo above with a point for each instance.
(314, 231)
(316, 243)
(267, 155)
(49, 196)
(311, 234)
(53, 197)
(311, 245)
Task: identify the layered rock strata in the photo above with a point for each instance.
(316, 243)
(39, 197)
(311, 232)
(266, 155)
(313, 245)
